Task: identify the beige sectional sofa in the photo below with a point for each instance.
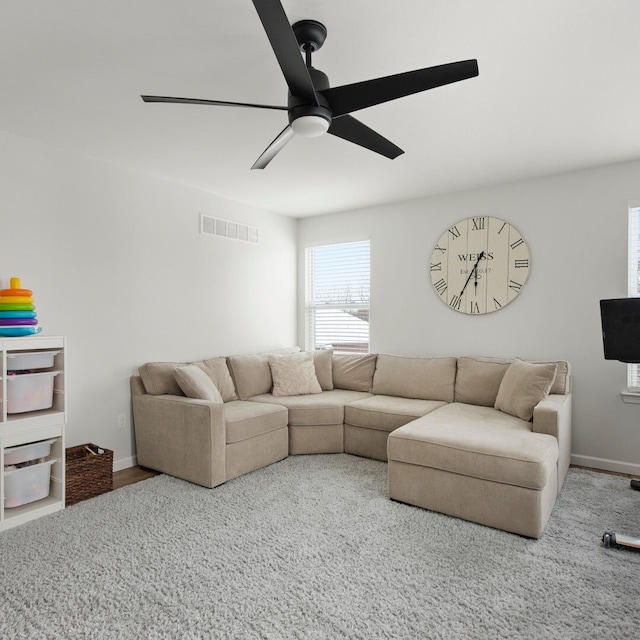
(483, 439)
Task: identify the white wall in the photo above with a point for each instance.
(576, 228)
(116, 263)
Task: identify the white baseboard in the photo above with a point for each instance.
(606, 465)
(124, 463)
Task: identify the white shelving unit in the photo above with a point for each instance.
(33, 426)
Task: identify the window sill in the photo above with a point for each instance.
(632, 397)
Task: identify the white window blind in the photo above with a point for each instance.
(633, 370)
(337, 297)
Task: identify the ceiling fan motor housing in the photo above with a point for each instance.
(310, 120)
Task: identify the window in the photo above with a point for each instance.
(337, 297)
(633, 370)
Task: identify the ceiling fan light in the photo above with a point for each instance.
(310, 126)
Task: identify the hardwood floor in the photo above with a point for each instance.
(131, 475)
(611, 473)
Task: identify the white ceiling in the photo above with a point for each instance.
(559, 89)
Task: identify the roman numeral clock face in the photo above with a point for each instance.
(479, 265)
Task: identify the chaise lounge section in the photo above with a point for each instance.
(483, 439)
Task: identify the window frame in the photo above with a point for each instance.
(352, 306)
(633, 281)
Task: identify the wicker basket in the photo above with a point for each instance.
(87, 474)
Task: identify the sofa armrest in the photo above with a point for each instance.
(181, 436)
(553, 416)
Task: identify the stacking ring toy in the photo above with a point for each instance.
(18, 322)
(19, 331)
(16, 307)
(16, 292)
(16, 299)
(17, 311)
(18, 314)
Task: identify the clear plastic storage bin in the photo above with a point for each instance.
(30, 391)
(30, 360)
(25, 452)
(27, 484)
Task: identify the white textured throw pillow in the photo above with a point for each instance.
(196, 383)
(293, 374)
(524, 385)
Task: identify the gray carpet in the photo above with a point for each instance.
(311, 547)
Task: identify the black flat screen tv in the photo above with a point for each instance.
(621, 329)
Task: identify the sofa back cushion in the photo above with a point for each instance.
(478, 380)
(524, 385)
(353, 371)
(218, 371)
(252, 374)
(159, 378)
(196, 383)
(415, 377)
(323, 361)
(562, 383)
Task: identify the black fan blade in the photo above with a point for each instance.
(348, 128)
(352, 97)
(285, 46)
(219, 103)
(274, 148)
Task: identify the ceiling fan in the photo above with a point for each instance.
(313, 106)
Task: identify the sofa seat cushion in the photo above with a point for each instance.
(246, 420)
(314, 409)
(479, 442)
(387, 413)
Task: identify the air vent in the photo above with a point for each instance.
(228, 229)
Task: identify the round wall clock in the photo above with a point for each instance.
(479, 265)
